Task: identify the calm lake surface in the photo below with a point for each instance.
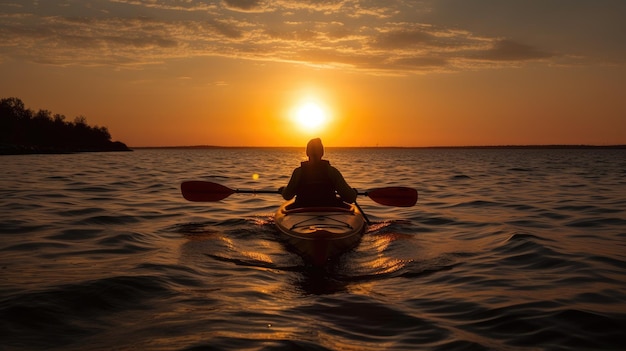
(505, 250)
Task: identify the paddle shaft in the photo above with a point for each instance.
(252, 191)
(209, 191)
(240, 191)
(367, 220)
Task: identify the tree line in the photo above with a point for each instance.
(25, 131)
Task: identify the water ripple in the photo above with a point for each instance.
(506, 250)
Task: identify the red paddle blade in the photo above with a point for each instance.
(200, 191)
(394, 196)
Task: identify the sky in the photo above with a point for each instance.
(353, 72)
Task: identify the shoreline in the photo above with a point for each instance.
(6, 150)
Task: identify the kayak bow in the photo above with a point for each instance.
(320, 233)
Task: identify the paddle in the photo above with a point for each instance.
(367, 220)
(202, 191)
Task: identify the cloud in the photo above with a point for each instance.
(423, 63)
(508, 50)
(405, 37)
(173, 5)
(593, 30)
(246, 5)
(393, 36)
(321, 6)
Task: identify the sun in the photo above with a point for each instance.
(310, 116)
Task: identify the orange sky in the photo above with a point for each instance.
(386, 73)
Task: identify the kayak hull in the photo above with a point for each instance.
(320, 233)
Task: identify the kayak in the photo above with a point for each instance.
(320, 233)
(316, 233)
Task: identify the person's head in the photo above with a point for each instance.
(315, 149)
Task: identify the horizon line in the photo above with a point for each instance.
(504, 146)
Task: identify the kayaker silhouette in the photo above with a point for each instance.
(316, 182)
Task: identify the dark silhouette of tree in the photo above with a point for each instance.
(24, 131)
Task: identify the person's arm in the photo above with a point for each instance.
(289, 191)
(344, 190)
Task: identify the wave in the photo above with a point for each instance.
(506, 249)
(62, 314)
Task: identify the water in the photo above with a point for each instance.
(506, 250)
